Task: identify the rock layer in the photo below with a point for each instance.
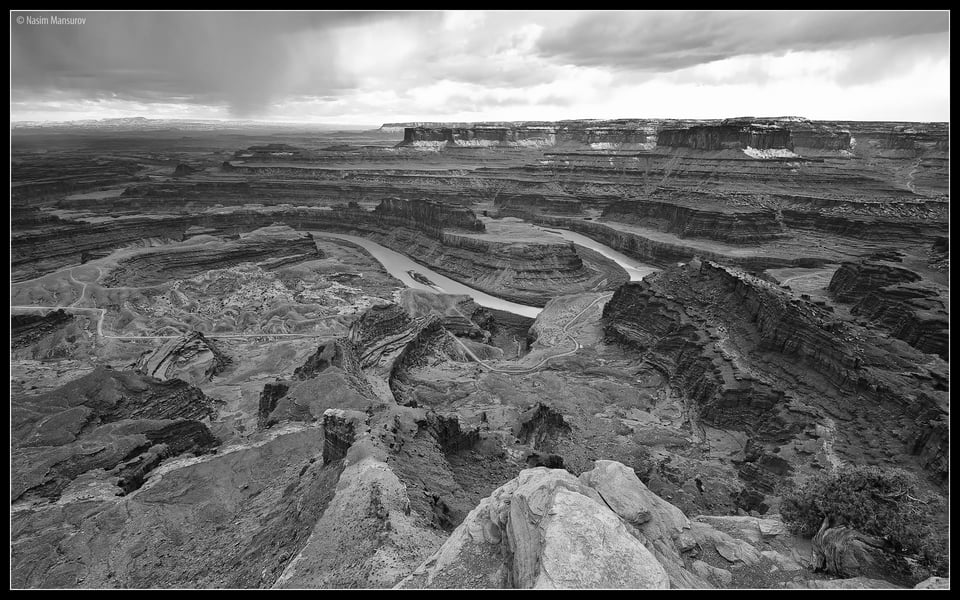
(723, 339)
(192, 358)
(119, 422)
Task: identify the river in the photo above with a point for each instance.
(636, 269)
(398, 265)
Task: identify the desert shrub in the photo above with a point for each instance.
(886, 503)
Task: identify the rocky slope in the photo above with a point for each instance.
(345, 488)
(728, 343)
(114, 425)
(193, 358)
(27, 330)
(894, 299)
(430, 217)
(547, 529)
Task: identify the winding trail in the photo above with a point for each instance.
(522, 370)
(103, 313)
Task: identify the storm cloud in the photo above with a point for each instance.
(243, 60)
(481, 65)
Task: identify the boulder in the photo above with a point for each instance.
(626, 495)
(660, 525)
(721, 576)
(544, 529)
(733, 550)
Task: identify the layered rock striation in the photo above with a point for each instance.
(746, 354)
(738, 226)
(193, 358)
(119, 424)
(894, 299)
(270, 249)
(430, 217)
(28, 329)
(760, 134)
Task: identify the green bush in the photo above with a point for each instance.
(886, 503)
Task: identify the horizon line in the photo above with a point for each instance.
(472, 121)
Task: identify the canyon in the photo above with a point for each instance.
(609, 352)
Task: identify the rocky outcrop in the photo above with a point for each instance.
(430, 217)
(183, 170)
(723, 339)
(941, 245)
(892, 298)
(539, 426)
(524, 272)
(341, 429)
(106, 395)
(179, 437)
(380, 327)
(332, 377)
(868, 227)
(118, 422)
(596, 134)
(522, 205)
(233, 519)
(853, 281)
(334, 353)
(544, 529)
(269, 397)
(459, 314)
(429, 340)
(192, 358)
(742, 226)
(272, 247)
(790, 133)
(477, 135)
(916, 314)
(605, 529)
(724, 137)
(26, 330)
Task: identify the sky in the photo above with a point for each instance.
(377, 67)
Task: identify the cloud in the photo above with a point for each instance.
(241, 60)
(668, 41)
(495, 65)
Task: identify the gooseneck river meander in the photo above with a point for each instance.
(399, 266)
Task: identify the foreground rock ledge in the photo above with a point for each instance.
(545, 529)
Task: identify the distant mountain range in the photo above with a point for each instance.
(145, 124)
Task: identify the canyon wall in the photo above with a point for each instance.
(730, 342)
(742, 226)
(894, 299)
